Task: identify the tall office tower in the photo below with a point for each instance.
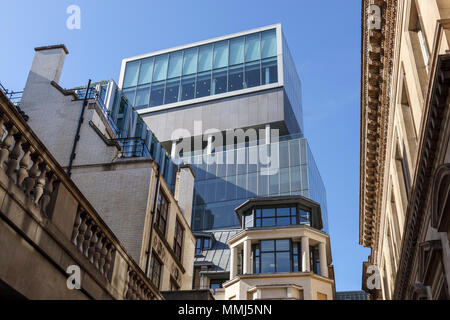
(236, 99)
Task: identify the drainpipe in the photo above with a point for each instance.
(77, 135)
(149, 247)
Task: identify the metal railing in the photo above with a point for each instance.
(133, 147)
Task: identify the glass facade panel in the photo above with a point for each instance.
(160, 69)
(190, 61)
(172, 91)
(252, 74)
(131, 74)
(203, 87)
(252, 47)
(236, 65)
(175, 64)
(269, 71)
(157, 94)
(236, 51)
(205, 58)
(129, 94)
(142, 97)
(236, 78)
(219, 82)
(146, 70)
(187, 88)
(269, 43)
(220, 54)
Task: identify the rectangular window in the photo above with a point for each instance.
(190, 61)
(219, 82)
(162, 210)
(145, 73)
(252, 47)
(221, 54)
(269, 43)
(157, 94)
(236, 51)
(205, 58)
(269, 71)
(160, 70)
(203, 87)
(187, 88)
(172, 91)
(142, 97)
(271, 256)
(236, 78)
(252, 74)
(175, 64)
(131, 74)
(178, 240)
(155, 271)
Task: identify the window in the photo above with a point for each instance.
(314, 260)
(202, 243)
(161, 213)
(203, 85)
(178, 240)
(281, 216)
(216, 284)
(131, 74)
(155, 270)
(271, 256)
(215, 68)
(296, 258)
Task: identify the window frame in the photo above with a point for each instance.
(155, 259)
(257, 257)
(178, 240)
(159, 218)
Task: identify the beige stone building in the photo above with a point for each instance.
(405, 148)
(280, 252)
(147, 217)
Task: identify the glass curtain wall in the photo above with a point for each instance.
(220, 188)
(219, 67)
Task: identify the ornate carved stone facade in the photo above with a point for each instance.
(404, 140)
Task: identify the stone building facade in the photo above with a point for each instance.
(405, 150)
(128, 191)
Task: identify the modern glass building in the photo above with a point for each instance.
(246, 80)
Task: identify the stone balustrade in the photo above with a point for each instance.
(32, 171)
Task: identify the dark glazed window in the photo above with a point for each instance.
(272, 256)
(269, 71)
(236, 78)
(157, 94)
(252, 74)
(203, 85)
(219, 84)
(161, 213)
(155, 270)
(172, 91)
(187, 88)
(178, 240)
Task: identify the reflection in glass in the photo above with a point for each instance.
(219, 83)
(129, 94)
(236, 51)
(205, 58)
(142, 96)
(175, 59)
(269, 71)
(190, 61)
(203, 85)
(267, 262)
(146, 70)
(236, 78)
(157, 94)
(220, 54)
(160, 70)
(131, 74)
(252, 47)
(187, 87)
(252, 74)
(283, 262)
(269, 43)
(172, 90)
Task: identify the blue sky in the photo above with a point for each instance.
(323, 36)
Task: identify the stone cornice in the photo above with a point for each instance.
(378, 49)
